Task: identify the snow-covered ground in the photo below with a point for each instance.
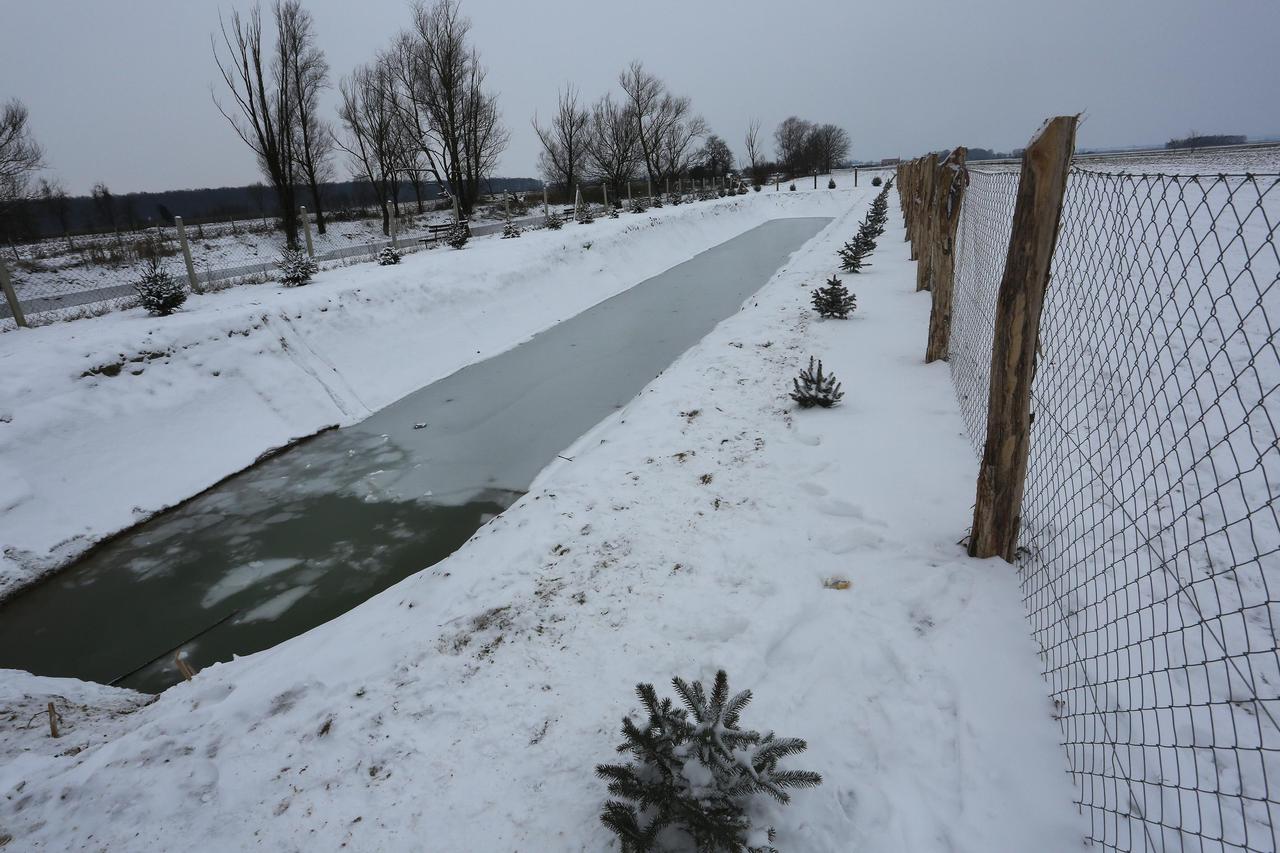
(464, 708)
(107, 420)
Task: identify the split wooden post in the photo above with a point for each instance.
(53, 720)
(306, 230)
(186, 254)
(6, 284)
(1036, 217)
(952, 180)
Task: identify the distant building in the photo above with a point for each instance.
(890, 161)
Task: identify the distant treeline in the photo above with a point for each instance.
(105, 212)
(1203, 141)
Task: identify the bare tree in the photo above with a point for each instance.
(375, 137)
(306, 73)
(613, 149)
(455, 123)
(104, 204)
(715, 156)
(666, 127)
(829, 146)
(264, 112)
(565, 141)
(57, 204)
(20, 157)
(755, 153)
(791, 140)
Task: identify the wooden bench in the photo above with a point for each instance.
(436, 233)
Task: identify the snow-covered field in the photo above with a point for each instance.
(51, 268)
(464, 708)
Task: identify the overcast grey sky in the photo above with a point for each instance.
(119, 90)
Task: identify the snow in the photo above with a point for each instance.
(171, 405)
(464, 708)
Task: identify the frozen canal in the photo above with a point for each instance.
(311, 533)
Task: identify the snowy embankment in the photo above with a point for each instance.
(105, 421)
(464, 708)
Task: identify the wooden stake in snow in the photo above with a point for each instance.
(952, 179)
(10, 296)
(53, 720)
(306, 230)
(186, 254)
(1036, 216)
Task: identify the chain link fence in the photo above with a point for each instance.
(1150, 549)
(85, 276)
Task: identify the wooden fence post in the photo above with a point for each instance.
(924, 200)
(546, 208)
(306, 230)
(953, 177)
(186, 254)
(6, 284)
(393, 225)
(1036, 216)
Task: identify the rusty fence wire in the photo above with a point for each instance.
(1150, 549)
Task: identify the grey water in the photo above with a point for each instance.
(314, 531)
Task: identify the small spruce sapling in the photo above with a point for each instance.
(639, 205)
(458, 235)
(158, 291)
(694, 771)
(813, 388)
(792, 187)
(585, 216)
(834, 300)
(296, 268)
(831, 183)
(510, 230)
(554, 222)
(388, 256)
(853, 254)
(875, 182)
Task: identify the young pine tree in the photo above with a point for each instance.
(813, 388)
(296, 267)
(853, 255)
(693, 772)
(834, 300)
(158, 292)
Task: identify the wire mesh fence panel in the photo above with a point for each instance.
(1150, 560)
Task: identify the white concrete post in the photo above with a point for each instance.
(393, 223)
(186, 254)
(648, 182)
(605, 190)
(577, 202)
(546, 208)
(506, 204)
(306, 229)
(10, 296)
(631, 205)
